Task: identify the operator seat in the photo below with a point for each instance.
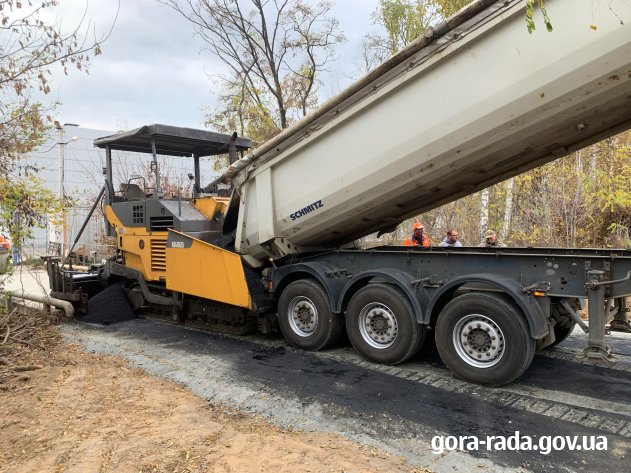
(132, 192)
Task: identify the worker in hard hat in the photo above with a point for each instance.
(418, 237)
(491, 241)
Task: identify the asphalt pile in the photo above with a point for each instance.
(108, 307)
(225, 241)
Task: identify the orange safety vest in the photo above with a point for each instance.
(410, 241)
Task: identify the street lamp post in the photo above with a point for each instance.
(62, 196)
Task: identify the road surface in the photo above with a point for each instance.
(400, 409)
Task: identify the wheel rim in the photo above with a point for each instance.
(378, 325)
(303, 316)
(478, 341)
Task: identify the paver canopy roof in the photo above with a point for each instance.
(172, 141)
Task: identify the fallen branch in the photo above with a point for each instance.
(24, 342)
(26, 368)
(23, 389)
(47, 337)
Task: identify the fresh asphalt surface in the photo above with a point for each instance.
(397, 409)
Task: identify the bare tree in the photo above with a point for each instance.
(29, 46)
(484, 211)
(274, 51)
(508, 209)
(31, 43)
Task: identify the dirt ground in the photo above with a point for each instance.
(64, 410)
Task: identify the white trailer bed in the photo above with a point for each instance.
(474, 102)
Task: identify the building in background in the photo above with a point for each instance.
(68, 152)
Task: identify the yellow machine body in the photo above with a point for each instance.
(211, 207)
(200, 269)
(185, 264)
(144, 251)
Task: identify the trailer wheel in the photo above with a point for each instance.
(381, 325)
(484, 338)
(305, 317)
(564, 322)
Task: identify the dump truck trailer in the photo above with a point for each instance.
(270, 243)
(471, 103)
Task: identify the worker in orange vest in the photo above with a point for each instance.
(417, 238)
(4, 244)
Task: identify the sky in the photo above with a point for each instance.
(152, 71)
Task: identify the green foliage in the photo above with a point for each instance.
(401, 22)
(447, 8)
(610, 202)
(530, 15)
(247, 114)
(24, 205)
(404, 21)
(24, 200)
(579, 201)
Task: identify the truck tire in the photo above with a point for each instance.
(381, 325)
(484, 338)
(305, 317)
